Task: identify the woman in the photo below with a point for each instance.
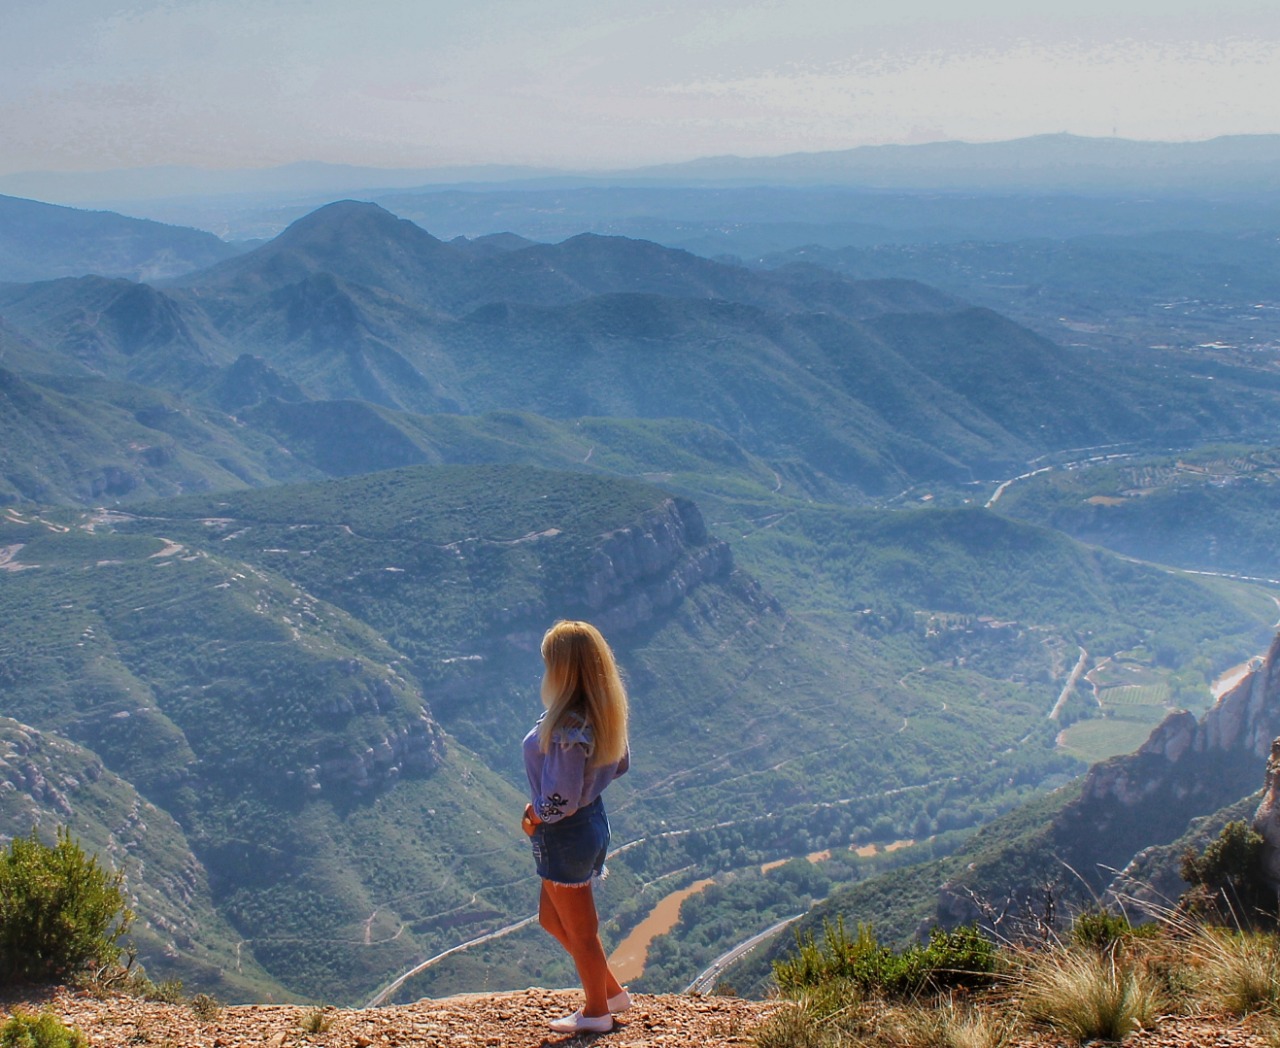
(576, 749)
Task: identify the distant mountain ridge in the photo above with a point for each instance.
(1045, 161)
(1041, 162)
(868, 384)
(42, 242)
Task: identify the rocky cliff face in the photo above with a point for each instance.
(1132, 806)
(636, 573)
(1266, 819)
(1191, 767)
(414, 747)
(650, 567)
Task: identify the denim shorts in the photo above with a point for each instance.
(572, 851)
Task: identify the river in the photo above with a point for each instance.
(627, 961)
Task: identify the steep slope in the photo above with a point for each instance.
(47, 781)
(114, 329)
(1116, 834)
(84, 440)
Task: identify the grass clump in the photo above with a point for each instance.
(46, 1030)
(829, 1015)
(1237, 972)
(60, 912)
(951, 1025)
(318, 1020)
(1089, 995)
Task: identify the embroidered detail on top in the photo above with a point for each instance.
(553, 805)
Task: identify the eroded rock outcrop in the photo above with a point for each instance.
(1129, 807)
(1266, 820)
(651, 566)
(415, 747)
(1201, 763)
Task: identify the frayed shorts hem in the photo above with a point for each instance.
(572, 851)
(599, 875)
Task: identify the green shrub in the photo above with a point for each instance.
(166, 991)
(46, 1030)
(963, 957)
(1100, 929)
(205, 1007)
(60, 912)
(1228, 882)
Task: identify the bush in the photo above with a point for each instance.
(205, 1007)
(963, 957)
(1100, 929)
(1228, 881)
(46, 1030)
(60, 912)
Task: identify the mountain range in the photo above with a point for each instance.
(280, 535)
(1039, 162)
(872, 385)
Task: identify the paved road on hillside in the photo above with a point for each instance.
(706, 980)
(383, 995)
(1081, 663)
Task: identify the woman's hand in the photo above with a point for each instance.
(529, 821)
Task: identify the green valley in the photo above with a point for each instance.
(279, 539)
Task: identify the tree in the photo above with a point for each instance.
(60, 912)
(1228, 883)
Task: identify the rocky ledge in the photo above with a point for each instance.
(485, 1020)
(508, 1020)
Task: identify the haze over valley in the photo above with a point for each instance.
(897, 389)
(891, 534)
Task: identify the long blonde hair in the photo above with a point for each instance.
(582, 682)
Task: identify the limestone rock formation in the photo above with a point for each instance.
(1266, 821)
(1130, 808)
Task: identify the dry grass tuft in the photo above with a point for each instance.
(1090, 996)
(1236, 972)
(950, 1025)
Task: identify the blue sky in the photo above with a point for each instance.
(100, 84)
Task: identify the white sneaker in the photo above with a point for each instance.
(619, 1002)
(579, 1023)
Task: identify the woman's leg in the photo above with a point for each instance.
(550, 920)
(575, 910)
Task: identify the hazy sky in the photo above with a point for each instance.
(96, 84)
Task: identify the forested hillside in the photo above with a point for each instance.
(279, 539)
